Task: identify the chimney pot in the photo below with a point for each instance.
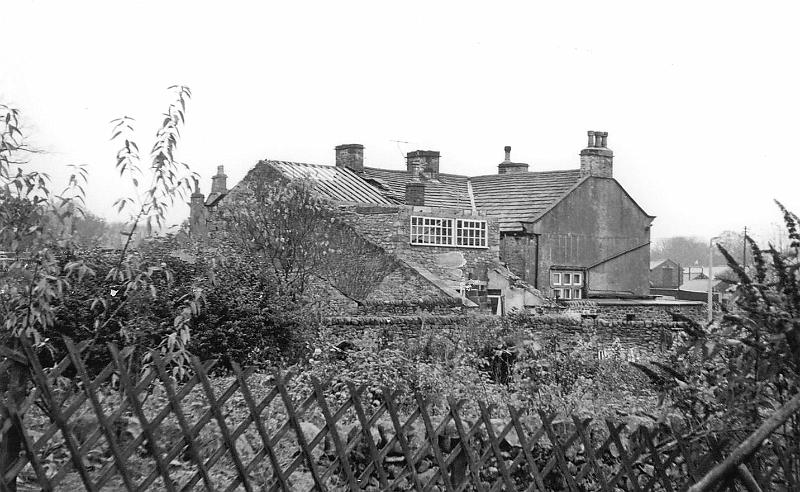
(508, 167)
(596, 158)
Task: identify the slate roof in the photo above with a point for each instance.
(335, 183)
(449, 191)
(699, 285)
(521, 197)
(510, 198)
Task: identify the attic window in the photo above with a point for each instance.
(431, 231)
(471, 233)
(437, 231)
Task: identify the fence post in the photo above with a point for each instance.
(13, 381)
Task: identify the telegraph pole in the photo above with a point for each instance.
(744, 249)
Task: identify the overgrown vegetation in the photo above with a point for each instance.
(248, 299)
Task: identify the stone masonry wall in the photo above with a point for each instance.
(656, 312)
(643, 338)
(389, 227)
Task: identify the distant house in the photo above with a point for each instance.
(665, 274)
(701, 272)
(511, 239)
(697, 290)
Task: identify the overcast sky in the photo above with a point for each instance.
(700, 99)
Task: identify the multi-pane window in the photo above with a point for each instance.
(432, 231)
(567, 284)
(471, 233)
(436, 231)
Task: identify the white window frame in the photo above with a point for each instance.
(431, 231)
(471, 233)
(448, 232)
(567, 284)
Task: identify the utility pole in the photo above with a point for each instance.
(744, 249)
(711, 278)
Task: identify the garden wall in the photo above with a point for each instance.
(635, 337)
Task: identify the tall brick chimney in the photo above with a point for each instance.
(197, 213)
(219, 182)
(423, 163)
(596, 158)
(508, 167)
(350, 156)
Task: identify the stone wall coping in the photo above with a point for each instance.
(460, 319)
(643, 302)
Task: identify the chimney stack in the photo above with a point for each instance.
(596, 158)
(197, 213)
(508, 167)
(219, 182)
(423, 163)
(350, 156)
(415, 192)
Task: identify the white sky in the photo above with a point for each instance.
(700, 99)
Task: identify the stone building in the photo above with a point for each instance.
(507, 240)
(665, 274)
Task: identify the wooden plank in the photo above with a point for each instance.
(301, 439)
(474, 464)
(255, 413)
(129, 389)
(558, 450)
(33, 458)
(598, 453)
(526, 447)
(365, 430)
(448, 461)
(433, 441)
(395, 440)
(623, 455)
(105, 425)
(204, 419)
(348, 445)
(589, 450)
(400, 434)
(495, 445)
(47, 394)
(749, 445)
(337, 441)
(144, 383)
(284, 430)
(80, 398)
(216, 409)
(175, 403)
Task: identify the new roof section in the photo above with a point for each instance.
(511, 198)
(337, 183)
